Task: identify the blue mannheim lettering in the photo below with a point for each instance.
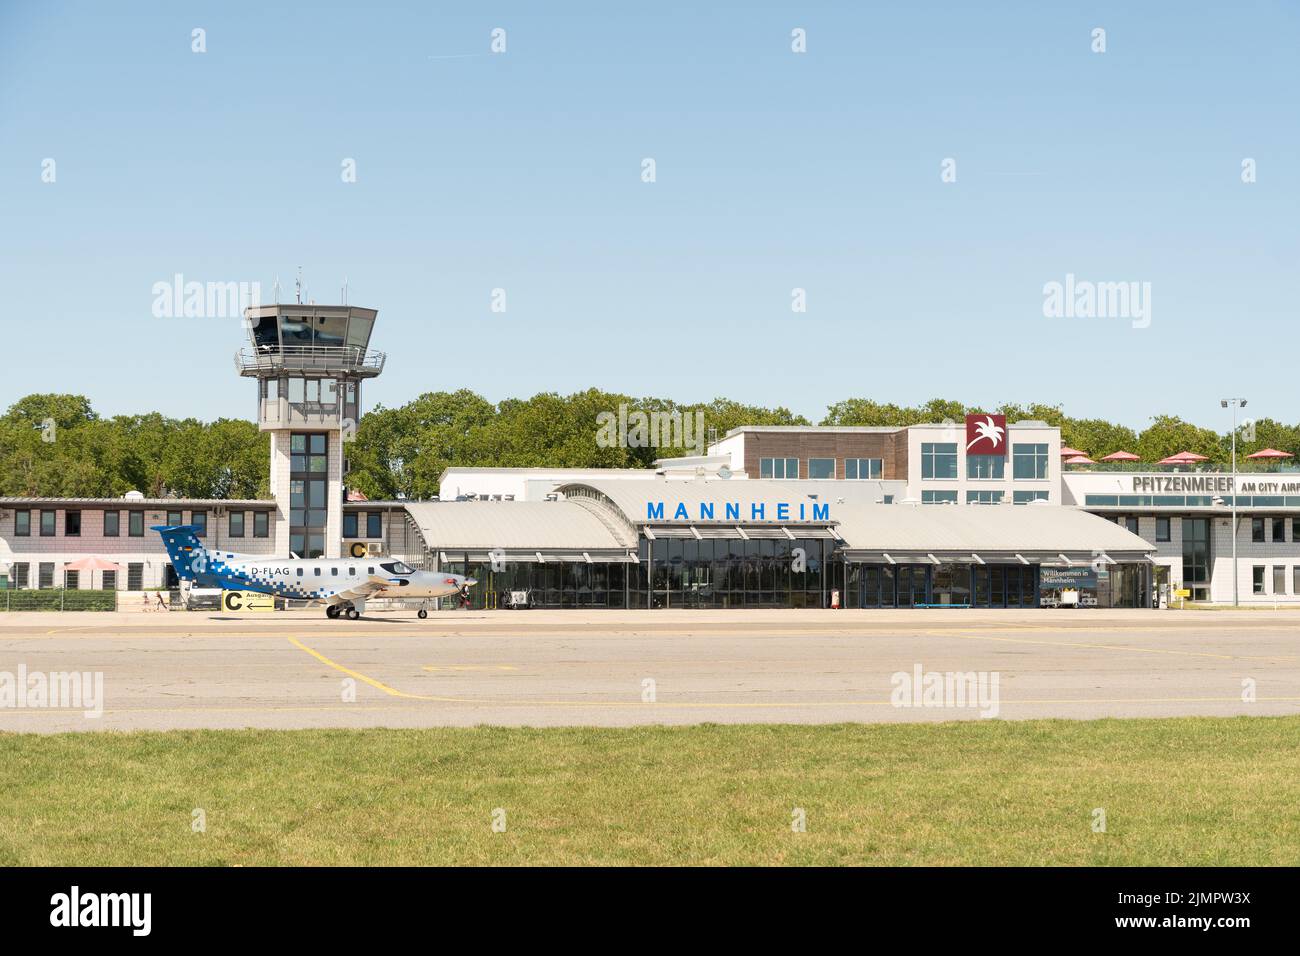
(707, 510)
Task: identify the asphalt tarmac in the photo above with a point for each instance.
(166, 670)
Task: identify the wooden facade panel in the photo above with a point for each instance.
(890, 447)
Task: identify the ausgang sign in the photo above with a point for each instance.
(240, 601)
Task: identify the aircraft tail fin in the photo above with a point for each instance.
(188, 555)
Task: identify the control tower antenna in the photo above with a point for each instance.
(297, 286)
(345, 290)
(275, 290)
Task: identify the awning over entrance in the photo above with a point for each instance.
(530, 531)
(984, 534)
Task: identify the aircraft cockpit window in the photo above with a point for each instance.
(397, 567)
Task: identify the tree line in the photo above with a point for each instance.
(56, 445)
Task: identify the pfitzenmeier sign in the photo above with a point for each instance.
(1205, 484)
(1210, 484)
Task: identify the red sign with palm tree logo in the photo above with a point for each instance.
(986, 435)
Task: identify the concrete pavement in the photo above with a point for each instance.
(621, 668)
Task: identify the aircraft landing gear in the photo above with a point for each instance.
(422, 614)
(332, 611)
(353, 614)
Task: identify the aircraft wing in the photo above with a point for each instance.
(363, 589)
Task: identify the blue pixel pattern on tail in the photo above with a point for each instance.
(188, 555)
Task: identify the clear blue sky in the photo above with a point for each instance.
(775, 170)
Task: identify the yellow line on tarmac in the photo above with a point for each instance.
(748, 705)
(362, 677)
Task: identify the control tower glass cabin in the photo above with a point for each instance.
(309, 361)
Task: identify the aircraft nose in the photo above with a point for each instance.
(470, 582)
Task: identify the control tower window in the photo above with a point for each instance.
(266, 334)
(296, 330)
(330, 330)
(308, 492)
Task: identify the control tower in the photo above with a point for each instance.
(309, 361)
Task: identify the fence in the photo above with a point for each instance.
(57, 599)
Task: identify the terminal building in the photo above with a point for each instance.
(979, 513)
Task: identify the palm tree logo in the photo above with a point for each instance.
(986, 430)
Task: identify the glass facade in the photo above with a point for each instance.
(1196, 552)
(669, 572)
(308, 487)
(944, 585)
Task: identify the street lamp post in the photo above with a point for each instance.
(1236, 403)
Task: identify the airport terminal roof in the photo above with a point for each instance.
(1041, 531)
(554, 528)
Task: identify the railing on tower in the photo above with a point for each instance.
(351, 358)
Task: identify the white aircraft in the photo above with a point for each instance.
(343, 585)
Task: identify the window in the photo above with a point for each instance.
(1196, 551)
(1162, 529)
(236, 524)
(1295, 579)
(72, 524)
(1029, 461)
(22, 569)
(1025, 497)
(349, 524)
(779, 468)
(375, 524)
(334, 572)
(1279, 579)
(1257, 579)
(1257, 529)
(352, 572)
(200, 521)
(938, 497)
(45, 574)
(862, 469)
(1131, 524)
(135, 525)
(135, 575)
(308, 465)
(1279, 529)
(300, 572)
(175, 518)
(986, 466)
(316, 571)
(821, 468)
(72, 580)
(261, 524)
(47, 523)
(938, 459)
(1295, 529)
(108, 581)
(983, 497)
(23, 523)
(112, 523)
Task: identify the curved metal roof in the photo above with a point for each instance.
(516, 525)
(983, 529)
